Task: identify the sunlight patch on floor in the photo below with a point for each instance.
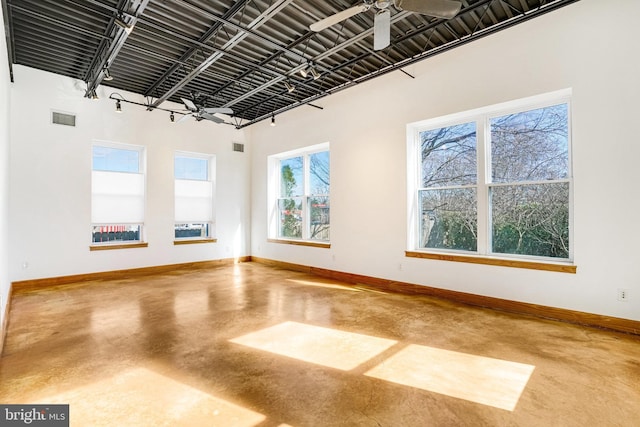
(140, 397)
(314, 344)
(492, 382)
(324, 285)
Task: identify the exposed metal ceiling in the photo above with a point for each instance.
(236, 54)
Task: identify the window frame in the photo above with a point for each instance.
(209, 225)
(482, 117)
(274, 196)
(120, 244)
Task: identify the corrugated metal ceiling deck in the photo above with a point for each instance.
(237, 55)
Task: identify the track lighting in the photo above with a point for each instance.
(107, 75)
(118, 106)
(290, 87)
(315, 73)
(172, 117)
(273, 120)
(304, 71)
(126, 27)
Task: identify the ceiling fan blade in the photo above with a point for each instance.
(444, 9)
(382, 29)
(189, 104)
(222, 110)
(338, 17)
(211, 117)
(183, 118)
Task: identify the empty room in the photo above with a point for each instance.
(298, 213)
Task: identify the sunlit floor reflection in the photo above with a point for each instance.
(324, 285)
(484, 380)
(322, 346)
(140, 397)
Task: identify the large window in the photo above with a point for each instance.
(117, 194)
(495, 181)
(193, 197)
(299, 194)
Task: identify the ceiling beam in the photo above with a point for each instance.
(107, 52)
(242, 34)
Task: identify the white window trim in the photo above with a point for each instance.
(273, 191)
(481, 117)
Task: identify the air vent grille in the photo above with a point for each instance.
(238, 147)
(63, 119)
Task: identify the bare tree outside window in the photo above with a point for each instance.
(530, 165)
(448, 196)
(527, 188)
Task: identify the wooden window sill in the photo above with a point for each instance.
(193, 241)
(500, 262)
(301, 243)
(108, 247)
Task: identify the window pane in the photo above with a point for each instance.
(115, 159)
(449, 156)
(291, 181)
(191, 168)
(531, 219)
(531, 145)
(290, 213)
(448, 219)
(319, 173)
(319, 218)
(186, 231)
(115, 233)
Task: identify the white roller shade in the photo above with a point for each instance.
(117, 197)
(194, 201)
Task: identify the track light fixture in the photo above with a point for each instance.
(126, 27)
(290, 87)
(118, 106)
(107, 75)
(172, 117)
(273, 120)
(304, 71)
(315, 73)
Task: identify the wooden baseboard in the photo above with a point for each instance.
(5, 320)
(25, 286)
(516, 307)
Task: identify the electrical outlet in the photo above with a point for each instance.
(623, 295)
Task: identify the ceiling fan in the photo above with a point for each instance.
(203, 113)
(444, 9)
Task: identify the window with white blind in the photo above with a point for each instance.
(194, 186)
(117, 194)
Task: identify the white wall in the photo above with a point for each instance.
(50, 171)
(588, 46)
(4, 173)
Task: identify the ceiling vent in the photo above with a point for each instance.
(65, 119)
(238, 147)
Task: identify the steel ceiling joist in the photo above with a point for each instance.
(237, 53)
(235, 40)
(108, 52)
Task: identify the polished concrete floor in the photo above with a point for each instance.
(251, 345)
